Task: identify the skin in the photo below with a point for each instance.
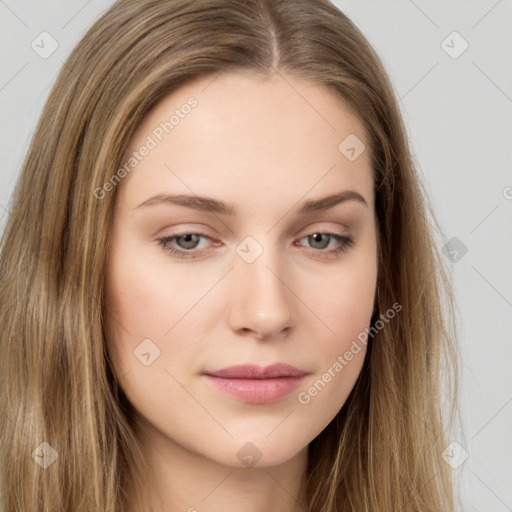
(264, 145)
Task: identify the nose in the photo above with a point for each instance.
(261, 297)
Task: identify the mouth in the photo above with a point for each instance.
(256, 384)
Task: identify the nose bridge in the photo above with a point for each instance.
(261, 297)
(260, 264)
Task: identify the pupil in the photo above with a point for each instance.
(317, 236)
(188, 239)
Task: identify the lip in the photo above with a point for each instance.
(256, 384)
(253, 371)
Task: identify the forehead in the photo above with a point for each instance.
(243, 136)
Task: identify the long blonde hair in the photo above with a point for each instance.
(382, 452)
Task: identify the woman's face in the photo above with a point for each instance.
(253, 281)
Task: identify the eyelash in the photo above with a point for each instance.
(345, 242)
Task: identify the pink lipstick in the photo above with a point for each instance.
(256, 384)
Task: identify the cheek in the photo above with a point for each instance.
(134, 305)
(345, 304)
(144, 297)
(340, 353)
(149, 299)
(142, 306)
(343, 299)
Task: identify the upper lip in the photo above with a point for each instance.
(251, 371)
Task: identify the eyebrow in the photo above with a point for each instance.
(209, 204)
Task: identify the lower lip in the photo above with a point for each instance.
(257, 391)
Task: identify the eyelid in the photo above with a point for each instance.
(324, 227)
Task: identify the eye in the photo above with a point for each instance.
(343, 242)
(188, 244)
(189, 240)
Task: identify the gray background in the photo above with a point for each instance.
(458, 113)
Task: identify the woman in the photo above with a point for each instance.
(251, 368)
